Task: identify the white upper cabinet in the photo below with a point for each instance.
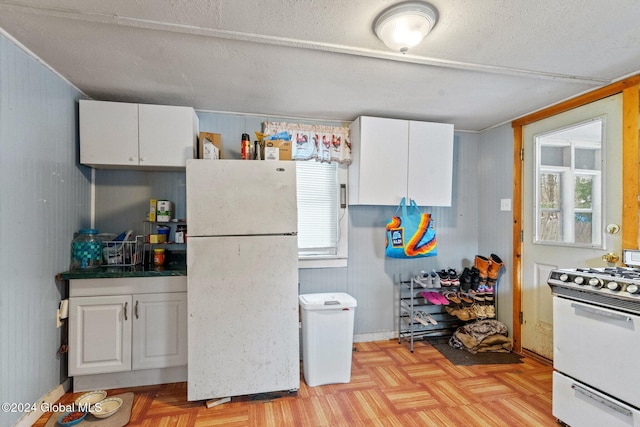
(135, 136)
(392, 159)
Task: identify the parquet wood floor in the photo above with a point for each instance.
(390, 386)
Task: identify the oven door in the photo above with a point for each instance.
(598, 346)
(579, 405)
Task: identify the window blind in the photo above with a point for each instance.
(318, 198)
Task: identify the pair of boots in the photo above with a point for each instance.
(488, 268)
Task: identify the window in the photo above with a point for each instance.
(322, 222)
(569, 185)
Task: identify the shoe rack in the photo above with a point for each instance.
(441, 311)
(419, 318)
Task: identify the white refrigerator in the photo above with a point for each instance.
(242, 278)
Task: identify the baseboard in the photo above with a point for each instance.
(535, 356)
(375, 336)
(129, 379)
(42, 404)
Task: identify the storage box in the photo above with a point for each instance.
(153, 205)
(278, 149)
(216, 140)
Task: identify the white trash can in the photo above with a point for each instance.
(327, 337)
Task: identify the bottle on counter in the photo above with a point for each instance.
(158, 257)
(246, 149)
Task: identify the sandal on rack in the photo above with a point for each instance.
(488, 293)
(420, 319)
(453, 297)
(435, 298)
(465, 297)
(425, 319)
(431, 297)
(477, 295)
(490, 311)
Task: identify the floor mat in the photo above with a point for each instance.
(464, 358)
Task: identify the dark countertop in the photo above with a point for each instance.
(176, 266)
(117, 272)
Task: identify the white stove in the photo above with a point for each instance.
(596, 338)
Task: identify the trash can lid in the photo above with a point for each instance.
(327, 301)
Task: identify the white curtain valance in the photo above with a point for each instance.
(322, 143)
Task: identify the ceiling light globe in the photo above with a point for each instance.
(404, 25)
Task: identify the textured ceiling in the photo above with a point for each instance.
(486, 61)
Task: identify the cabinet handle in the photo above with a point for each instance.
(624, 411)
(603, 313)
(125, 310)
(136, 309)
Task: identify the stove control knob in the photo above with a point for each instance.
(564, 277)
(579, 280)
(633, 289)
(595, 282)
(614, 286)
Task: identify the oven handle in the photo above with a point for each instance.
(624, 411)
(594, 310)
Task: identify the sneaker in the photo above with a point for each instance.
(423, 279)
(453, 277)
(444, 278)
(435, 280)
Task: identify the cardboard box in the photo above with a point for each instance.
(283, 150)
(153, 204)
(216, 140)
(210, 151)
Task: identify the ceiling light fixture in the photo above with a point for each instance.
(404, 25)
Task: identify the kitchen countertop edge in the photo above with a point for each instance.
(122, 272)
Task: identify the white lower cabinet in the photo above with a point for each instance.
(99, 334)
(159, 330)
(127, 331)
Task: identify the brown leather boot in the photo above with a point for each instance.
(495, 265)
(482, 264)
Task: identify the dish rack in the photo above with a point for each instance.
(118, 253)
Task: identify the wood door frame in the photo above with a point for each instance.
(629, 88)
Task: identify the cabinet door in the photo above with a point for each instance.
(99, 334)
(108, 133)
(159, 330)
(167, 136)
(430, 163)
(378, 175)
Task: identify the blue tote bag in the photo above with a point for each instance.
(410, 235)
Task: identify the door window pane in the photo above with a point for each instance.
(568, 196)
(583, 192)
(583, 227)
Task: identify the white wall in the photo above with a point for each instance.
(44, 198)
